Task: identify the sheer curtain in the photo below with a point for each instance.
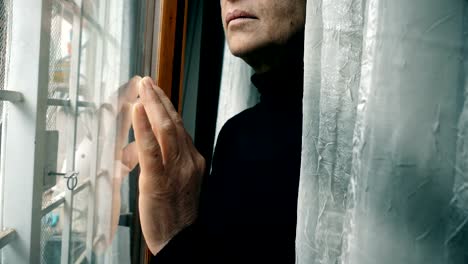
(384, 162)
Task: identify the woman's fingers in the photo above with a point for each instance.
(173, 114)
(149, 152)
(160, 121)
(165, 101)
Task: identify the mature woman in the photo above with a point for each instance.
(245, 210)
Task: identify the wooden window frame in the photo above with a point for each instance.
(164, 48)
(163, 56)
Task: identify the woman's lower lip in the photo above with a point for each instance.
(240, 20)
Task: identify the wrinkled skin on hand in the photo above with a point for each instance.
(171, 168)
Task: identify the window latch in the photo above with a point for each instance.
(71, 177)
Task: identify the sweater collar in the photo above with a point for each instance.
(281, 86)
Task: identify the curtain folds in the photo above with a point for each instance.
(384, 160)
(333, 46)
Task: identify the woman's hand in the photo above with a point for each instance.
(171, 167)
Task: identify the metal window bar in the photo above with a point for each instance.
(72, 119)
(63, 88)
(6, 236)
(83, 255)
(11, 96)
(68, 103)
(101, 30)
(24, 170)
(81, 187)
(59, 199)
(74, 6)
(54, 204)
(80, 259)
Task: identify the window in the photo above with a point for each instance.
(64, 70)
(70, 60)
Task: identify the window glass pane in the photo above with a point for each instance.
(86, 140)
(114, 62)
(79, 137)
(105, 64)
(56, 121)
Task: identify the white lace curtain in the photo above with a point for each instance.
(384, 175)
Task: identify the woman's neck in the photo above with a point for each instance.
(274, 57)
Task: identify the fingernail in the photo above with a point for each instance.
(148, 82)
(141, 89)
(139, 108)
(144, 88)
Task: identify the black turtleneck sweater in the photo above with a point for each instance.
(248, 202)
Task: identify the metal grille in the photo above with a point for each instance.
(59, 63)
(4, 16)
(52, 226)
(51, 238)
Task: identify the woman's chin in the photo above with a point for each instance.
(240, 50)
